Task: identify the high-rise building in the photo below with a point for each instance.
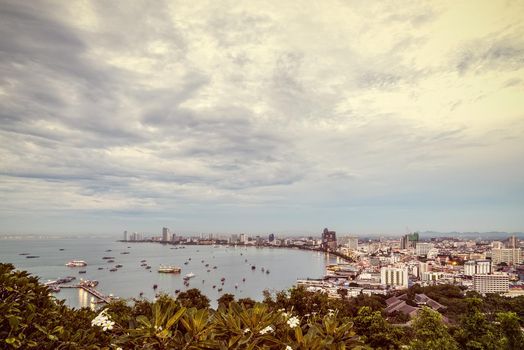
(165, 234)
(409, 241)
(510, 256)
(243, 238)
(473, 267)
(125, 236)
(393, 276)
(422, 249)
(353, 243)
(271, 237)
(512, 242)
(491, 283)
(329, 240)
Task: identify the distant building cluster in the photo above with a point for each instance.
(379, 266)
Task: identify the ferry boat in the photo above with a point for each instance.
(76, 263)
(169, 269)
(189, 275)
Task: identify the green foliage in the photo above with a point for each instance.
(31, 319)
(430, 332)
(193, 298)
(376, 331)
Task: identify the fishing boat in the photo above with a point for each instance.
(23, 254)
(169, 269)
(148, 267)
(76, 263)
(82, 271)
(253, 267)
(111, 261)
(118, 266)
(100, 268)
(32, 256)
(113, 270)
(108, 257)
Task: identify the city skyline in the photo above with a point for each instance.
(228, 117)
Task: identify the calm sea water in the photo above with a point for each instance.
(285, 265)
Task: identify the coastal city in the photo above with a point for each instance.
(381, 266)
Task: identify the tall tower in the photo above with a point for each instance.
(329, 240)
(165, 234)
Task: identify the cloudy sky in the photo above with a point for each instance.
(259, 116)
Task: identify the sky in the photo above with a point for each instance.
(261, 116)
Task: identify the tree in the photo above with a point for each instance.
(510, 328)
(193, 298)
(225, 299)
(475, 331)
(376, 331)
(430, 332)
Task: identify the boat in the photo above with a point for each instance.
(89, 283)
(262, 269)
(113, 269)
(23, 254)
(177, 291)
(207, 265)
(148, 267)
(186, 263)
(111, 261)
(82, 271)
(214, 267)
(155, 286)
(109, 250)
(100, 268)
(32, 256)
(143, 261)
(236, 286)
(267, 271)
(143, 264)
(108, 257)
(61, 249)
(76, 263)
(189, 275)
(219, 289)
(169, 269)
(243, 279)
(118, 266)
(253, 267)
(124, 253)
(222, 279)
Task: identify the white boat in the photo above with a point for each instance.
(169, 269)
(76, 263)
(189, 275)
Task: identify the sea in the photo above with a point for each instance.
(233, 264)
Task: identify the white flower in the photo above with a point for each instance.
(288, 347)
(103, 320)
(285, 315)
(268, 329)
(331, 312)
(247, 330)
(293, 322)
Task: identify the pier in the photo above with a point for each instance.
(90, 290)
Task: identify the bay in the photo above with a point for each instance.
(233, 264)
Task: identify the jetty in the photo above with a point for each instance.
(90, 290)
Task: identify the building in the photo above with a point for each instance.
(125, 236)
(271, 238)
(422, 249)
(353, 243)
(473, 267)
(510, 256)
(512, 242)
(485, 283)
(329, 240)
(393, 276)
(243, 238)
(409, 240)
(165, 234)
